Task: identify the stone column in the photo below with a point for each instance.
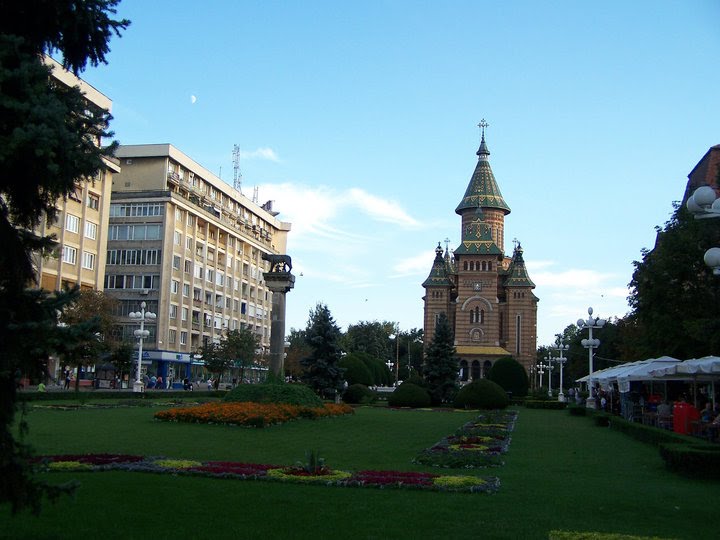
(279, 280)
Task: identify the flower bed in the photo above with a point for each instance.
(255, 471)
(478, 443)
(250, 414)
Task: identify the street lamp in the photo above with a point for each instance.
(549, 360)
(590, 344)
(396, 337)
(541, 372)
(704, 204)
(141, 334)
(561, 360)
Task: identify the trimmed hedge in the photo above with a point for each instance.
(700, 460)
(577, 535)
(292, 393)
(481, 394)
(577, 410)
(510, 375)
(356, 372)
(358, 393)
(648, 434)
(409, 395)
(552, 405)
(85, 395)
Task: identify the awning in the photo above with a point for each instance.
(708, 365)
(632, 371)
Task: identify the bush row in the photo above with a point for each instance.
(538, 404)
(294, 394)
(85, 395)
(700, 460)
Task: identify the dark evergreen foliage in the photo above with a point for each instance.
(441, 364)
(357, 394)
(321, 368)
(510, 375)
(409, 395)
(356, 372)
(481, 394)
(48, 136)
(294, 394)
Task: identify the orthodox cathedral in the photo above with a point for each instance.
(486, 295)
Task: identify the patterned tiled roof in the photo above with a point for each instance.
(477, 239)
(439, 274)
(517, 275)
(483, 191)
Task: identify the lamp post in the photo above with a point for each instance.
(396, 337)
(141, 334)
(590, 344)
(704, 204)
(549, 359)
(561, 361)
(541, 372)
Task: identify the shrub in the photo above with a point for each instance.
(647, 434)
(294, 394)
(481, 394)
(358, 393)
(546, 404)
(416, 379)
(696, 460)
(510, 375)
(577, 410)
(409, 395)
(356, 372)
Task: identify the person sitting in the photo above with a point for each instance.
(707, 414)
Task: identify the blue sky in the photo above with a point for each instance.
(359, 119)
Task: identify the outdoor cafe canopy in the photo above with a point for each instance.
(632, 371)
(708, 365)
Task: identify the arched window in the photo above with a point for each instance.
(482, 316)
(465, 265)
(489, 266)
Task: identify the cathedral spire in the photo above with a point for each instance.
(483, 191)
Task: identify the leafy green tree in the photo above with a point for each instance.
(356, 372)
(239, 347)
(296, 351)
(48, 136)
(370, 337)
(675, 298)
(441, 363)
(321, 369)
(122, 358)
(215, 358)
(510, 375)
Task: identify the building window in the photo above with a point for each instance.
(186, 290)
(184, 314)
(177, 238)
(518, 328)
(69, 255)
(173, 311)
(188, 242)
(171, 336)
(72, 223)
(178, 214)
(88, 260)
(174, 286)
(90, 230)
(93, 201)
(176, 262)
(183, 338)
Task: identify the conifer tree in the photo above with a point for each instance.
(321, 370)
(441, 364)
(48, 141)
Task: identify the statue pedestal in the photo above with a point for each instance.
(280, 284)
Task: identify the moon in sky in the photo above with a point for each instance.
(193, 99)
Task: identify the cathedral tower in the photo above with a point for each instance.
(487, 296)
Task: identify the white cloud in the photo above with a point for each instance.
(260, 153)
(418, 265)
(381, 209)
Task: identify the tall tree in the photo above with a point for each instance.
(48, 141)
(296, 351)
(675, 298)
(321, 370)
(239, 347)
(216, 359)
(441, 363)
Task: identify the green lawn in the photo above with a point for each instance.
(561, 472)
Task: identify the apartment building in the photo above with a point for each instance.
(190, 246)
(81, 223)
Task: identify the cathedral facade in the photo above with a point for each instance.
(486, 295)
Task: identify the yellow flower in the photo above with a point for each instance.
(177, 463)
(458, 482)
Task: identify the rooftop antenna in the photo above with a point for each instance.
(237, 175)
(255, 194)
